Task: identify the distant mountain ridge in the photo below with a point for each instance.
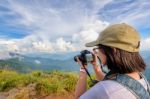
(40, 61)
(45, 61)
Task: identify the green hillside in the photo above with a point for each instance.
(45, 83)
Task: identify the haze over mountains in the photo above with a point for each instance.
(45, 61)
(61, 61)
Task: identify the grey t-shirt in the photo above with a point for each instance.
(110, 90)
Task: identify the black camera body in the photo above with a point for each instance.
(85, 57)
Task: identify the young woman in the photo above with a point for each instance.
(117, 48)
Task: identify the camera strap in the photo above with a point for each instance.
(93, 81)
(88, 73)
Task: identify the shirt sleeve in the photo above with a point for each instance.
(96, 92)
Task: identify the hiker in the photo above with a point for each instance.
(117, 48)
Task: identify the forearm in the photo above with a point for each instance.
(99, 74)
(81, 85)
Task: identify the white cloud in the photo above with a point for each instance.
(90, 33)
(145, 44)
(135, 12)
(53, 28)
(37, 62)
(62, 45)
(48, 18)
(38, 43)
(62, 28)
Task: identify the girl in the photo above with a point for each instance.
(117, 48)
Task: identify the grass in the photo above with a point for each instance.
(12, 79)
(54, 82)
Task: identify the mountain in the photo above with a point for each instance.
(54, 56)
(146, 57)
(145, 54)
(47, 61)
(147, 71)
(41, 61)
(28, 64)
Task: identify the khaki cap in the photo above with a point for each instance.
(120, 36)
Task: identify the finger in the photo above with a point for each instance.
(94, 50)
(95, 54)
(78, 59)
(79, 62)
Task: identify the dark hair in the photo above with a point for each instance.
(121, 61)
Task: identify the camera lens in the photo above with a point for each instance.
(85, 57)
(75, 58)
(89, 57)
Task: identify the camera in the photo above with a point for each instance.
(85, 57)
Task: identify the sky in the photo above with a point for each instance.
(28, 26)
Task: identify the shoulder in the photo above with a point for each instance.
(107, 89)
(101, 90)
(109, 86)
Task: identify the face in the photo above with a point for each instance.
(101, 55)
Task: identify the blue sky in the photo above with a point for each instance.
(66, 25)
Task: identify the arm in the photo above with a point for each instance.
(99, 74)
(82, 81)
(81, 85)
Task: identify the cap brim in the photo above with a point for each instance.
(91, 44)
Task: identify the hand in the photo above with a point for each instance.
(96, 66)
(80, 63)
(95, 60)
